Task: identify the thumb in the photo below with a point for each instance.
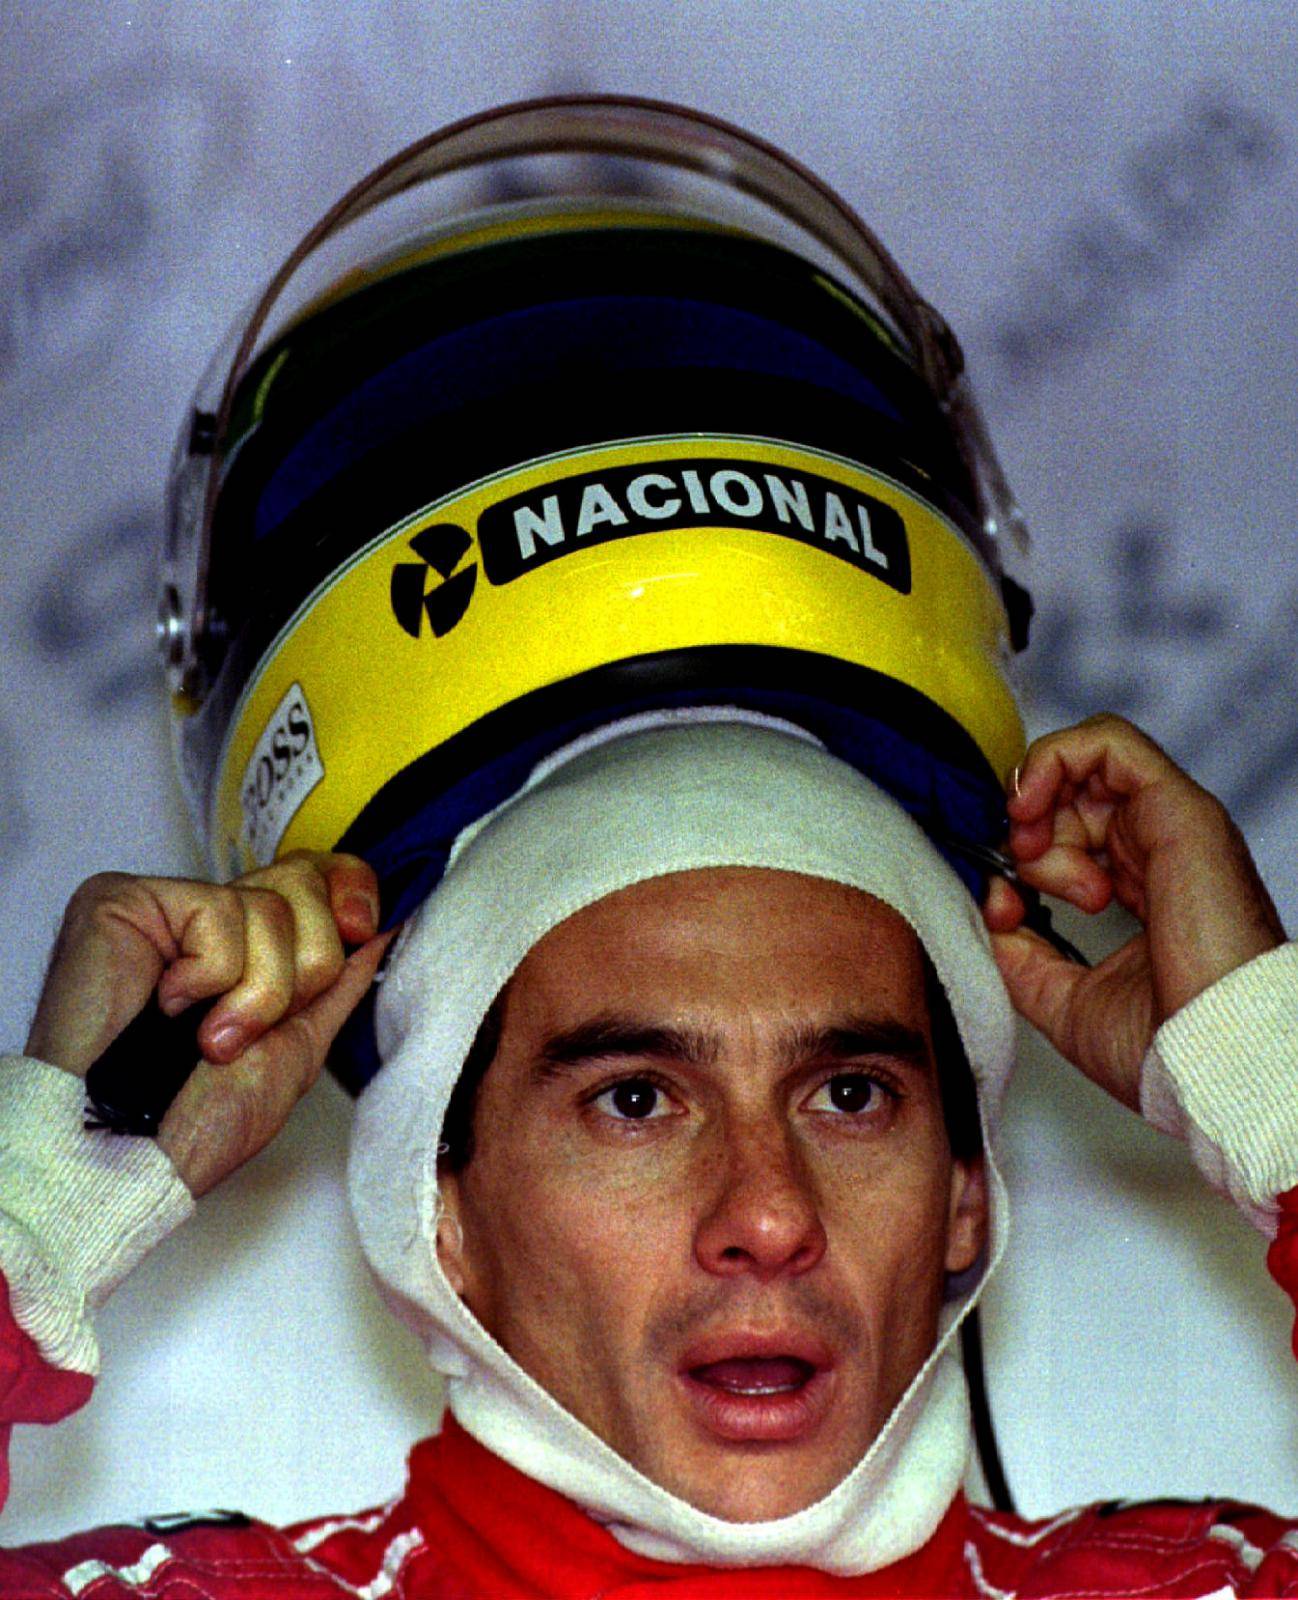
(1098, 1018)
(294, 1050)
(226, 1114)
(1042, 985)
(324, 1016)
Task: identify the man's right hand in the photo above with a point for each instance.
(267, 948)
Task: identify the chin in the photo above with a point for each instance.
(751, 1482)
(760, 1489)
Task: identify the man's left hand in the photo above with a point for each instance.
(1100, 812)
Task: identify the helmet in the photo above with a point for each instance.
(578, 408)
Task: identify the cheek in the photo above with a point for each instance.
(567, 1250)
(888, 1230)
(921, 1285)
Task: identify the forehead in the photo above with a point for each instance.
(706, 940)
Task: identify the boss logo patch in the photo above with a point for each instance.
(281, 772)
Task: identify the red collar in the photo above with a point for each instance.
(503, 1534)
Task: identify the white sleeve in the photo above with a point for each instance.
(1222, 1074)
(78, 1209)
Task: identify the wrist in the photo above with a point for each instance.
(80, 1208)
(1223, 1073)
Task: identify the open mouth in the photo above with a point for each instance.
(758, 1398)
(763, 1375)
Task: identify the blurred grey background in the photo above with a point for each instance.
(1100, 197)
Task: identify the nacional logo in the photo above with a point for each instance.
(528, 530)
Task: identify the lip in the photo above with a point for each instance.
(778, 1418)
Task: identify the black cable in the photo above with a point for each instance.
(989, 1455)
(1036, 917)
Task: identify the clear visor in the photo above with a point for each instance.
(572, 153)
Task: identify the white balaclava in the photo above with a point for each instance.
(663, 793)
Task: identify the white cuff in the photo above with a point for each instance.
(78, 1210)
(1222, 1073)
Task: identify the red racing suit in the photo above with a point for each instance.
(470, 1525)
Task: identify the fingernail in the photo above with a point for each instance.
(359, 905)
(222, 1039)
(1014, 780)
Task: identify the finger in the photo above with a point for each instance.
(1003, 907)
(101, 971)
(318, 1023)
(120, 937)
(1072, 874)
(317, 944)
(1078, 816)
(225, 1114)
(353, 896)
(349, 885)
(210, 933)
(295, 1049)
(1106, 755)
(264, 991)
(1066, 824)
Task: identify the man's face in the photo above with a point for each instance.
(712, 1199)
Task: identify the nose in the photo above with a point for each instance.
(761, 1214)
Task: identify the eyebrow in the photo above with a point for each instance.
(610, 1037)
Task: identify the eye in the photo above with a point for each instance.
(633, 1100)
(853, 1094)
